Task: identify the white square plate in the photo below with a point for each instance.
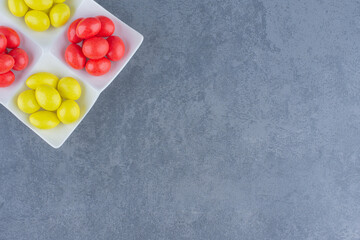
(46, 52)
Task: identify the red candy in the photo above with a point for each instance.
(17, 59)
(6, 79)
(75, 57)
(6, 63)
(88, 28)
(98, 50)
(13, 39)
(71, 34)
(107, 27)
(95, 48)
(116, 48)
(98, 67)
(21, 59)
(3, 43)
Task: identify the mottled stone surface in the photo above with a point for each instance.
(236, 119)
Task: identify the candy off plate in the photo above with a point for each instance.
(46, 54)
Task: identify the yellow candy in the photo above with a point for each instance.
(37, 20)
(48, 97)
(59, 14)
(69, 88)
(42, 78)
(59, 1)
(68, 112)
(18, 7)
(27, 102)
(39, 4)
(44, 120)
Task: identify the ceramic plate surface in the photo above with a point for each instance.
(46, 52)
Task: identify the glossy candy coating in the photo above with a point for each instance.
(18, 7)
(59, 14)
(21, 59)
(42, 78)
(107, 27)
(37, 20)
(88, 27)
(6, 79)
(69, 88)
(27, 102)
(48, 97)
(6, 63)
(95, 48)
(39, 4)
(71, 33)
(68, 112)
(44, 120)
(116, 48)
(98, 67)
(75, 57)
(3, 43)
(13, 39)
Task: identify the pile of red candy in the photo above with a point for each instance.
(96, 51)
(17, 59)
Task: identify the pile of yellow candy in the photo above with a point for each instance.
(56, 98)
(40, 13)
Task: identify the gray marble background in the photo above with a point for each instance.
(236, 119)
